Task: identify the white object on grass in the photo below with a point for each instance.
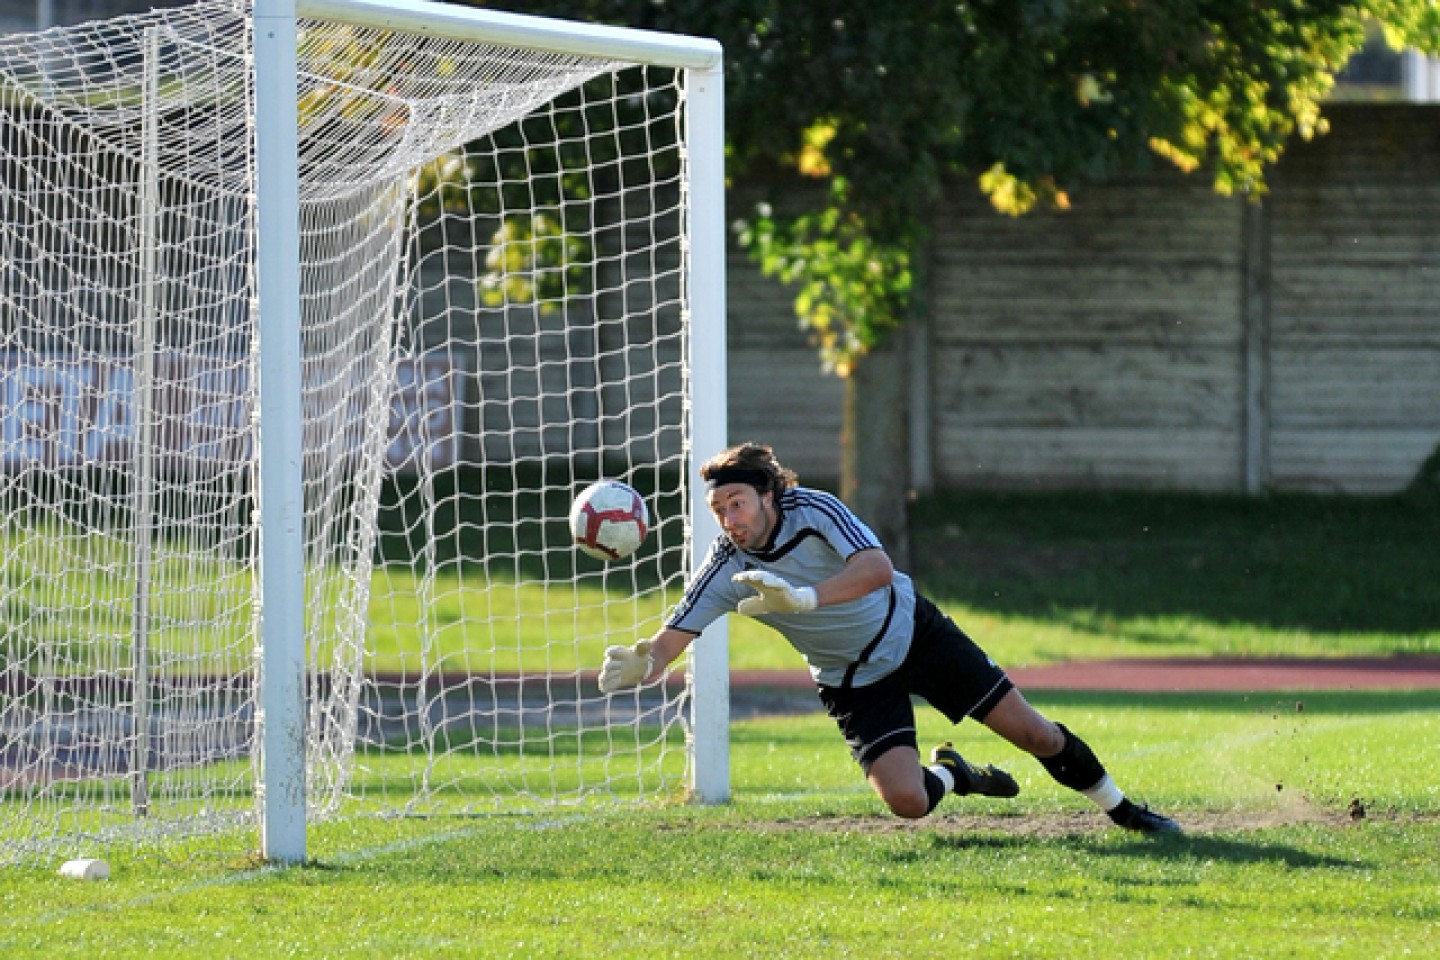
(85, 869)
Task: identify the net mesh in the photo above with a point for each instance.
(493, 313)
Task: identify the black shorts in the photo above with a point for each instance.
(944, 667)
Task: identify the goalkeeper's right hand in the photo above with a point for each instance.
(625, 666)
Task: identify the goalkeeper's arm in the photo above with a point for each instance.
(864, 572)
(641, 663)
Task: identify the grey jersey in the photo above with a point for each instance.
(857, 642)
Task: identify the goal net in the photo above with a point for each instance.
(495, 261)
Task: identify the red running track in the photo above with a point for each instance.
(1152, 675)
(1421, 672)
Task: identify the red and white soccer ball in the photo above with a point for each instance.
(609, 520)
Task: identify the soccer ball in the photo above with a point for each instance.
(609, 520)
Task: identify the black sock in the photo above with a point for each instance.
(934, 788)
(1075, 766)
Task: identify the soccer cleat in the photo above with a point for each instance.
(989, 781)
(1142, 819)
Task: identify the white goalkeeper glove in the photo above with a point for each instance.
(775, 595)
(625, 666)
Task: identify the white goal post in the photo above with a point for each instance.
(315, 314)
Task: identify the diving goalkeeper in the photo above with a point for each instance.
(800, 561)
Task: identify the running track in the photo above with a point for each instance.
(1421, 672)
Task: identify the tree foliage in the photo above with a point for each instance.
(850, 288)
(1031, 98)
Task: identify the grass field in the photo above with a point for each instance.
(1041, 578)
(804, 864)
(1278, 861)
(1036, 578)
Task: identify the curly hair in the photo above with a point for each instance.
(752, 463)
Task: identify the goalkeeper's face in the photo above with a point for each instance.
(745, 515)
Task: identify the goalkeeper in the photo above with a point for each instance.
(800, 561)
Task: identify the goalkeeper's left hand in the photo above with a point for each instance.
(626, 666)
(775, 594)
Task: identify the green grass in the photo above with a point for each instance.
(804, 863)
(1041, 578)
(1036, 578)
(1046, 577)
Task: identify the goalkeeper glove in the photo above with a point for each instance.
(775, 595)
(625, 666)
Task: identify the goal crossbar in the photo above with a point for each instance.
(519, 30)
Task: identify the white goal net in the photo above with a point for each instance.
(494, 310)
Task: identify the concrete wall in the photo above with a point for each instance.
(1159, 335)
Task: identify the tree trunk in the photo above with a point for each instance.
(875, 439)
(875, 452)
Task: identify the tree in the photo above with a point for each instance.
(1033, 98)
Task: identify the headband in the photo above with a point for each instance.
(758, 479)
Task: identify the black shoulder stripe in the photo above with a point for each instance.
(719, 554)
(841, 515)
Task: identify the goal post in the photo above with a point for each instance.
(281, 710)
(710, 661)
(275, 63)
(315, 315)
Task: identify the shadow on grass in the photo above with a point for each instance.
(1188, 847)
(1306, 562)
(1231, 851)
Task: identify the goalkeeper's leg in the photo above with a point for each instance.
(912, 791)
(959, 679)
(906, 787)
(1071, 762)
(879, 725)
